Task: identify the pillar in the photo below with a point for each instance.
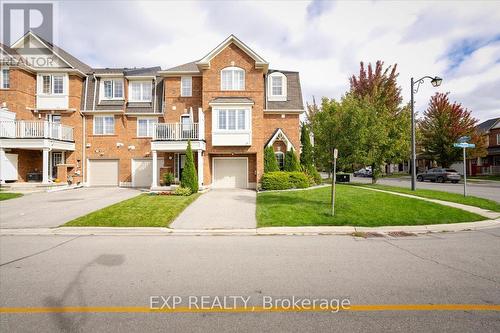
(45, 166)
(200, 168)
(154, 183)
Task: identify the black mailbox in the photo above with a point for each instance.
(343, 178)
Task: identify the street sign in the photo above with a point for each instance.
(463, 139)
(335, 153)
(464, 145)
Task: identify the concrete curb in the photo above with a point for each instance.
(268, 231)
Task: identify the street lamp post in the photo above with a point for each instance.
(436, 82)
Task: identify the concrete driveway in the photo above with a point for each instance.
(220, 209)
(45, 210)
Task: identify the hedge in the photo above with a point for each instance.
(283, 180)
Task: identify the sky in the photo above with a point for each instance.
(325, 41)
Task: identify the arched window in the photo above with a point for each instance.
(280, 158)
(277, 87)
(232, 78)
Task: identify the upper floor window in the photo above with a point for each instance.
(5, 79)
(52, 84)
(112, 89)
(232, 78)
(232, 120)
(140, 91)
(498, 139)
(104, 125)
(277, 87)
(186, 86)
(145, 126)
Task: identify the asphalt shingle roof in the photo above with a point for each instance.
(294, 93)
(485, 126)
(188, 67)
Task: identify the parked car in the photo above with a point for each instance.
(439, 175)
(365, 172)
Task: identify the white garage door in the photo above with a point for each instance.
(103, 172)
(8, 167)
(230, 172)
(142, 172)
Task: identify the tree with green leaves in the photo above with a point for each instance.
(291, 161)
(306, 155)
(443, 123)
(189, 177)
(270, 163)
(389, 120)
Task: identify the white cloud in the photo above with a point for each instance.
(324, 43)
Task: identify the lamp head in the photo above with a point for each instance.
(436, 81)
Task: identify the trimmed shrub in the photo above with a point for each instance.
(306, 156)
(189, 176)
(298, 179)
(184, 191)
(270, 164)
(282, 180)
(291, 161)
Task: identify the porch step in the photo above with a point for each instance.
(35, 187)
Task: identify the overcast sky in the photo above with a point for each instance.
(324, 41)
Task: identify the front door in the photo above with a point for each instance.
(57, 158)
(182, 162)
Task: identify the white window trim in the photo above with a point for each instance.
(233, 69)
(277, 98)
(150, 129)
(190, 80)
(498, 139)
(248, 120)
(1, 77)
(141, 83)
(101, 89)
(103, 127)
(51, 93)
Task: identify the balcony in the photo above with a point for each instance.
(176, 132)
(21, 129)
(28, 134)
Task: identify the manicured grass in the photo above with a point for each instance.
(7, 195)
(492, 177)
(446, 196)
(354, 207)
(141, 211)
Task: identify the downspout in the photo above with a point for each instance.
(155, 97)
(95, 91)
(84, 132)
(265, 91)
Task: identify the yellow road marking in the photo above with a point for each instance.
(352, 308)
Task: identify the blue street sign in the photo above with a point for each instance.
(464, 145)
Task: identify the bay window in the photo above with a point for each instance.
(232, 78)
(52, 84)
(186, 86)
(140, 91)
(112, 89)
(104, 125)
(232, 119)
(145, 126)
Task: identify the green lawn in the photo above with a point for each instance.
(7, 195)
(141, 211)
(354, 207)
(446, 196)
(490, 177)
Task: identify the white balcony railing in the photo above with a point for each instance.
(176, 131)
(19, 129)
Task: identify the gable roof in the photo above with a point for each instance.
(279, 134)
(485, 126)
(232, 39)
(57, 51)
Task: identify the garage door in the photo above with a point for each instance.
(103, 172)
(230, 173)
(142, 172)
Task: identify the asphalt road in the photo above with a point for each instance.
(483, 189)
(60, 271)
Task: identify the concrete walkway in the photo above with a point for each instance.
(220, 209)
(476, 210)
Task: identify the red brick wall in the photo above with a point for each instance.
(182, 104)
(21, 93)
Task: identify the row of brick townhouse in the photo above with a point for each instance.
(63, 120)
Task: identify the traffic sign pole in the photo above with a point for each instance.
(334, 178)
(465, 175)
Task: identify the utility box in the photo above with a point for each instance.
(343, 178)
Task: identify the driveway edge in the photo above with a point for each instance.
(268, 231)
